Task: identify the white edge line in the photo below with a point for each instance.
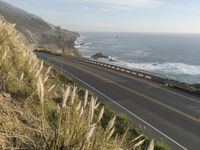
(180, 95)
(126, 75)
(127, 111)
(188, 98)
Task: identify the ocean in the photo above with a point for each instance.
(176, 56)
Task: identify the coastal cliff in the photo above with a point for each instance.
(43, 109)
(39, 34)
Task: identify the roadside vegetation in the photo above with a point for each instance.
(42, 109)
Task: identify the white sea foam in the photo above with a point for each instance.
(81, 45)
(80, 40)
(143, 49)
(168, 68)
(87, 44)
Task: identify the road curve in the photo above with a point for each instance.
(163, 113)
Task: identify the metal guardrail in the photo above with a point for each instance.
(134, 72)
(141, 74)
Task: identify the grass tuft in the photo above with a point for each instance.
(46, 110)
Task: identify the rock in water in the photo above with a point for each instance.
(98, 56)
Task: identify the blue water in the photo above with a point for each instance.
(175, 55)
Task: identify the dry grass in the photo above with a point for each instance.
(43, 113)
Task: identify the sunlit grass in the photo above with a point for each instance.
(52, 115)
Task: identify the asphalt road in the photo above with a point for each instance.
(160, 112)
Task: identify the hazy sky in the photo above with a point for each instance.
(118, 15)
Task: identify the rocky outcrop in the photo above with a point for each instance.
(37, 33)
(99, 55)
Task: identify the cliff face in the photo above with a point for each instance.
(36, 32)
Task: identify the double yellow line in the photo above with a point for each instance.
(130, 90)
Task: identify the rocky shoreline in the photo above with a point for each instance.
(39, 34)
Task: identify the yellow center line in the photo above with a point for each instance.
(131, 90)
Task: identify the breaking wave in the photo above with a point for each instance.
(168, 68)
(171, 60)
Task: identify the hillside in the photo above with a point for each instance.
(43, 109)
(38, 33)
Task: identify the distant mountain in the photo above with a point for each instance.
(38, 33)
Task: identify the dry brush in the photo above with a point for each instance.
(49, 115)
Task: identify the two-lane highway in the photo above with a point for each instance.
(162, 113)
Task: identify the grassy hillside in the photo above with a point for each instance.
(38, 33)
(42, 109)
